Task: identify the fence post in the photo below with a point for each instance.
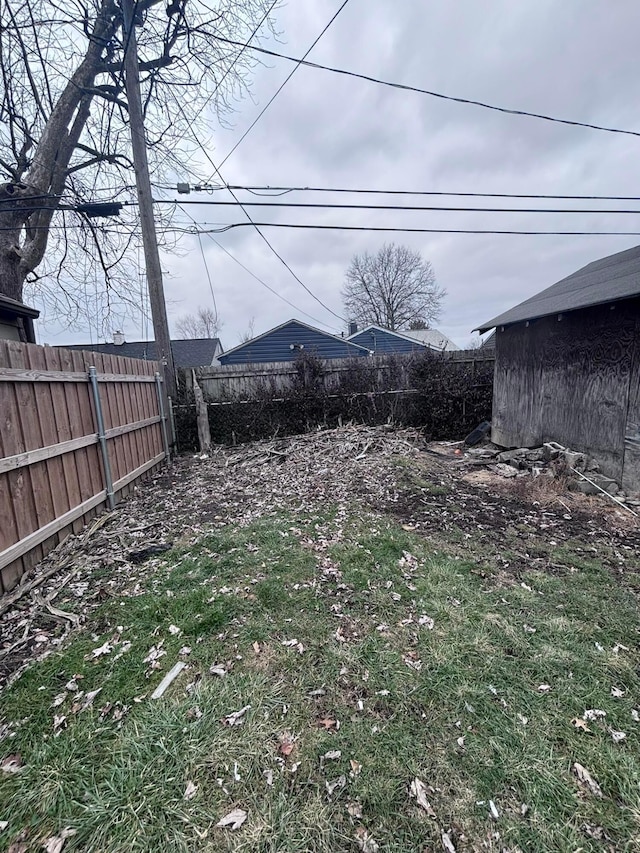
(163, 417)
(93, 378)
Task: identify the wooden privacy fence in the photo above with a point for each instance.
(379, 373)
(77, 429)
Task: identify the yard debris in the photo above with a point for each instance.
(356, 767)
(331, 755)
(418, 790)
(332, 784)
(12, 763)
(190, 791)
(234, 819)
(580, 724)
(328, 723)
(355, 809)
(493, 811)
(544, 688)
(57, 842)
(217, 669)
(617, 736)
(617, 693)
(153, 656)
(447, 843)
(587, 779)
(366, 841)
(174, 630)
(286, 743)
(593, 714)
(104, 649)
(427, 621)
(150, 551)
(236, 718)
(169, 678)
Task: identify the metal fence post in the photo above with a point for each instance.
(93, 378)
(163, 416)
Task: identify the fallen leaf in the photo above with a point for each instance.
(460, 742)
(356, 767)
(234, 819)
(332, 784)
(3, 825)
(635, 715)
(217, 669)
(256, 648)
(523, 720)
(495, 814)
(104, 649)
(56, 842)
(447, 843)
(328, 724)
(269, 775)
(427, 621)
(354, 809)
(617, 693)
(587, 779)
(12, 763)
(59, 699)
(185, 650)
(366, 841)
(580, 724)
(544, 688)
(616, 736)
(174, 630)
(286, 743)
(59, 723)
(592, 714)
(331, 755)
(190, 791)
(419, 791)
(236, 717)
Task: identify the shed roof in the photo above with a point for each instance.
(605, 280)
(192, 352)
(16, 307)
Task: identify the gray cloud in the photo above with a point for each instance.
(571, 58)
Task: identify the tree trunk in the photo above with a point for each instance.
(11, 278)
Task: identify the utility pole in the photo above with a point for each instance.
(145, 200)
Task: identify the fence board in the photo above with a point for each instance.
(52, 479)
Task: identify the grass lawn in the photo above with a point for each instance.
(363, 657)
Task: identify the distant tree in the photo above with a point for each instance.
(205, 323)
(417, 325)
(248, 332)
(392, 288)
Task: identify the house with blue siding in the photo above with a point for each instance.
(287, 341)
(382, 341)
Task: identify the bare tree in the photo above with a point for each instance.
(248, 333)
(392, 288)
(64, 136)
(417, 325)
(203, 324)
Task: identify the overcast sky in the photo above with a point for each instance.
(575, 59)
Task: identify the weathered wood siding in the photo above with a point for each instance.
(52, 477)
(569, 380)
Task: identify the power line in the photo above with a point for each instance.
(206, 267)
(431, 93)
(224, 228)
(285, 190)
(264, 238)
(251, 273)
(314, 205)
(280, 88)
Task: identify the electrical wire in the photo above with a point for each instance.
(374, 228)
(263, 237)
(439, 208)
(206, 267)
(281, 87)
(252, 274)
(285, 190)
(432, 94)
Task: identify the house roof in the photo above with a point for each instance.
(373, 328)
(431, 338)
(193, 352)
(16, 307)
(606, 280)
(299, 323)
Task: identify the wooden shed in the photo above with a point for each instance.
(568, 367)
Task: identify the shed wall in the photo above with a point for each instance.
(571, 380)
